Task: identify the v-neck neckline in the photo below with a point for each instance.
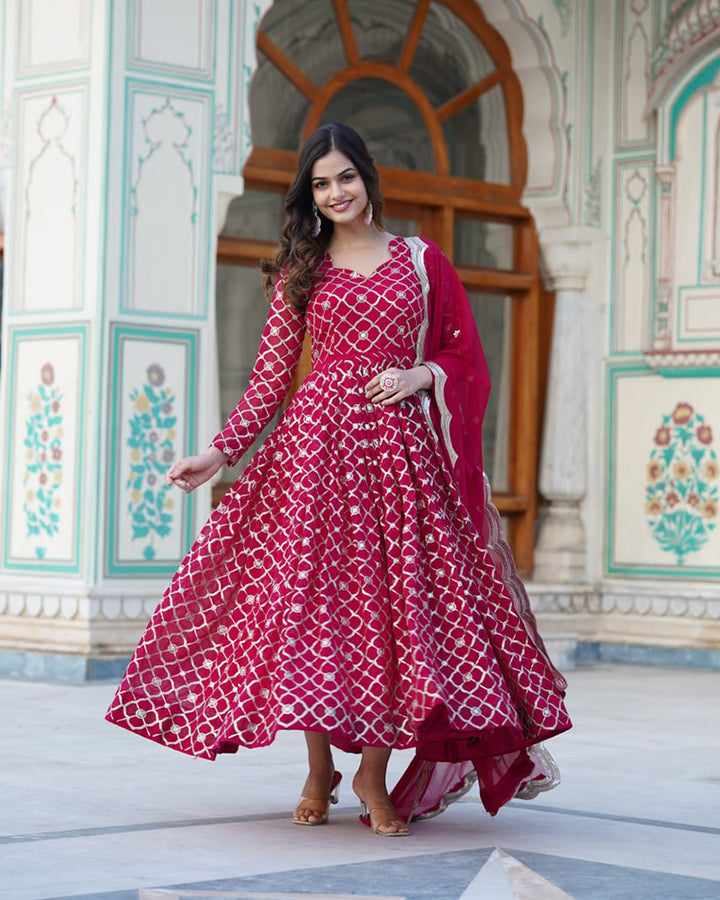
(377, 268)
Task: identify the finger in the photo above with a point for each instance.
(394, 398)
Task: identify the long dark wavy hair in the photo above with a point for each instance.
(299, 253)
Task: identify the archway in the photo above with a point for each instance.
(431, 86)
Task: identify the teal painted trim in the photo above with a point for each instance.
(631, 147)
(103, 286)
(113, 568)
(181, 73)
(702, 79)
(699, 372)
(613, 258)
(636, 155)
(163, 89)
(70, 68)
(8, 310)
(669, 572)
(39, 566)
(618, 166)
(703, 181)
(233, 108)
(679, 297)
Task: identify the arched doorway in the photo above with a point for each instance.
(431, 87)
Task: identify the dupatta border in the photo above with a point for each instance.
(417, 249)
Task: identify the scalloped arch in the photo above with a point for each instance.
(544, 116)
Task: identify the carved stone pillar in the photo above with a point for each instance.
(561, 546)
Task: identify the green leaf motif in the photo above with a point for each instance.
(681, 500)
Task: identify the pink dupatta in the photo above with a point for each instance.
(446, 765)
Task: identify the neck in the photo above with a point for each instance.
(355, 234)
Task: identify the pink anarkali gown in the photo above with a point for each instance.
(342, 585)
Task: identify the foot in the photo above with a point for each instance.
(320, 790)
(377, 810)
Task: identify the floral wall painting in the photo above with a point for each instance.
(43, 459)
(43, 489)
(153, 381)
(663, 475)
(151, 443)
(681, 497)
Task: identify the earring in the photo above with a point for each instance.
(318, 223)
(368, 213)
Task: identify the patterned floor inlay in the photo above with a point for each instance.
(447, 876)
(505, 878)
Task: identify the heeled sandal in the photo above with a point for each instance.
(333, 797)
(366, 817)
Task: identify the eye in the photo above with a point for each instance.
(319, 184)
(348, 176)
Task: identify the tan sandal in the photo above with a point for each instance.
(333, 797)
(366, 817)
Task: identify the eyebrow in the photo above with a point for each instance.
(324, 177)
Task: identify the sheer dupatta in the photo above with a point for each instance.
(446, 765)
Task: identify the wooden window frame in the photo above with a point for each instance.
(435, 199)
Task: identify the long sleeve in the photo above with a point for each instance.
(277, 359)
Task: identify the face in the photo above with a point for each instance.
(338, 189)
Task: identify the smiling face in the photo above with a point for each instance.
(338, 189)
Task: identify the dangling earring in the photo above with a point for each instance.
(318, 224)
(368, 213)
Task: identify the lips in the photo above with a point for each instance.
(340, 207)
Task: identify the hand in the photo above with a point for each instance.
(410, 381)
(192, 471)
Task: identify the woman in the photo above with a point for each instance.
(353, 583)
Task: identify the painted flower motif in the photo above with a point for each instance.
(682, 495)
(43, 461)
(682, 413)
(156, 375)
(151, 449)
(681, 469)
(654, 470)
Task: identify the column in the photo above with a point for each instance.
(560, 555)
(129, 138)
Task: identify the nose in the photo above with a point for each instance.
(337, 192)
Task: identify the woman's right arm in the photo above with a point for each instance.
(277, 359)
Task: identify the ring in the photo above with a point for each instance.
(389, 383)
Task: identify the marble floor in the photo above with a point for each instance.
(91, 811)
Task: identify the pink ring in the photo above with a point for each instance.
(389, 383)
